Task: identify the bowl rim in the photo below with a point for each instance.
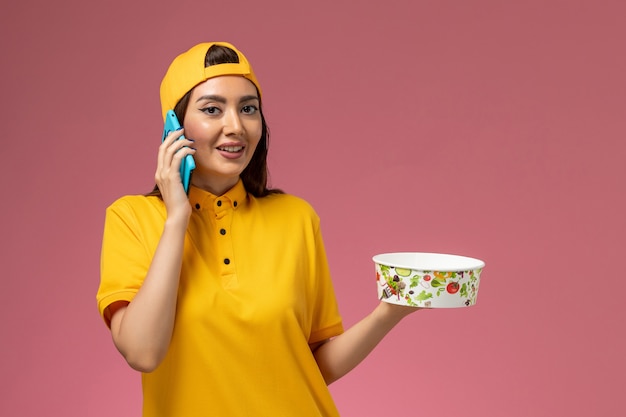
(473, 262)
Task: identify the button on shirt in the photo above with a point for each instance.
(215, 214)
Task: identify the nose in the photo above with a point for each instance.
(232, 123)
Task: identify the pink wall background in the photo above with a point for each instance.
(488, 128)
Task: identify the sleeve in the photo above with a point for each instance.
(326, 320)
(126, 255)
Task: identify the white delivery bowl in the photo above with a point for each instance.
(431, 280)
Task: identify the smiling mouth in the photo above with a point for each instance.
(231, 149)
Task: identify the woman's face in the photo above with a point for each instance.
(224, 120)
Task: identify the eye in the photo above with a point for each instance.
(210, 110)
(249, 109)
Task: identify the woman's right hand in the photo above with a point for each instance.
(142, 329)
(167, 176)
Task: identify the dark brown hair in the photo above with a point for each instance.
(255, 175)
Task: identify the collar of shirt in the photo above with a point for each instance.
(231, 200)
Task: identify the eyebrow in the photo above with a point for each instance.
(221, 99)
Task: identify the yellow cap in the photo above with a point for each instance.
(188, 70)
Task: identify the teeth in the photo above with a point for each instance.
(231, 148)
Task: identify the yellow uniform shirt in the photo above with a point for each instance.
(254, 291)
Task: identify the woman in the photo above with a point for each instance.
(222, 298)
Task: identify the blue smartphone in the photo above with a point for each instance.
(187, 165)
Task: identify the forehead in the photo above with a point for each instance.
(227, 86)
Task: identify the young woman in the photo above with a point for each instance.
(222, 298)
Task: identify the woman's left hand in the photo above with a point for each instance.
(395, 311)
